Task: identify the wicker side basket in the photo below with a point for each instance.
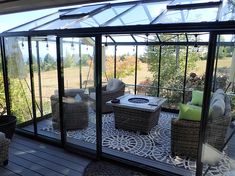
(4, 146)
(7, 125)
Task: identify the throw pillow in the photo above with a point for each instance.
(197, 97)
(113, 84)
(190, 112)
(217, 108)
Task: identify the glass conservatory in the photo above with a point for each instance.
(147, 83)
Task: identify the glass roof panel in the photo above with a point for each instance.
(110, 13)
(90, 22)
(141, 14)
(36, 23)
(122, 38)
(156, 9)
(177, 2)
(106, 15)
(106, 39)
(189, 16)
(57, 24)
(85, 9)
(145, 38)
(140, 38)
(227, 11)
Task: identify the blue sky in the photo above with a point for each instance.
(12, 20)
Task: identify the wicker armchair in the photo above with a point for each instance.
(117, 90)
(108, 95)
(185, 133)
(75, 113)
(4, 146)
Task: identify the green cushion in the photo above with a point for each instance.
(190, 112)
(197, 97)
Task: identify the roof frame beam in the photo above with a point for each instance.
(194, 6)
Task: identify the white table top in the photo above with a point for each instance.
(153, 104)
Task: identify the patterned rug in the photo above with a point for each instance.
(154, 146)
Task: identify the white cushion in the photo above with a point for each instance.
(78, 98)
(210, 155)
(93, 95)
(113, 84)
(217, 105)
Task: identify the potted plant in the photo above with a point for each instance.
(7, 123)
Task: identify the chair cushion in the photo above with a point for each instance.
(217, 104)
(197, 97)
(190, 112)
(113, 84)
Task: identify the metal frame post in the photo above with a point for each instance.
(185, 72)
(5, 76)
(80, 63)
(136, 60)
(60, 74)
(206, 99)
(115, 61)
(98, 85)
(32, 86)
(159, 69)
(216, 63)
(39, 78)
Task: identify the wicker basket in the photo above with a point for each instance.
(7, 125)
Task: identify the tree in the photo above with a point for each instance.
(125, 66)
(69, 61)
(172, 68)
(49, 63)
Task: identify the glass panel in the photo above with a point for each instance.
(106, 39)
(124, 137)
(3, 109)
(176, 2)
(85, 9)
(36, 23)
(172, 37)
(155, 9)
(108, 14)
(188, 16)
(46, 86)
(126, 66)
(57, 24)
(122, 38)
(147, 70)
(227, 11)
(19, 78)
(79, 91)
(218, 149)
(108, 64)
(172, 75)
(142, 14)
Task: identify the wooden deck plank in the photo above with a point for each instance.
(6, 172)
(28, 157)
(48, 157)
(31, 165)
(21, 170)
(54, 151)
(59, 168)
